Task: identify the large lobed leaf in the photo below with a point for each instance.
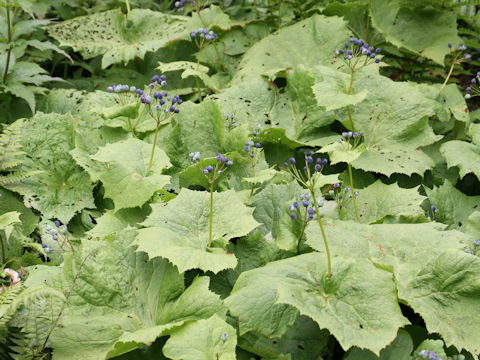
(59, 187)
(179, 231)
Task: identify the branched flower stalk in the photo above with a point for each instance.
(357, 54)
(253, 149)
(58, 233)
(303, 209)
(458, 57)
(308, 178)
(201, 37)
(356, 137)
(473, 90)
(211, 173)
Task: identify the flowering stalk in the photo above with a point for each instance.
(253, 149)
(474, 89)
(127, 4)
(307, 179)
(212, 174)
(358, 54)
(457, 59)
(347, 135)
(4, 259)
(200, 37)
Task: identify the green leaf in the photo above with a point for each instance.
(412, 29)
(120, 300)
(269, 206)
(310, 42)
(117, 37)
(399, 349)
(184, 227)
(202, 340)
(446, 293)
(9, 202)
(125, 173)
(349, 304)
(59, 188)
(454, 207)
(378, 200)
(342, 152)
(462, 154)
(114, 221)
(432, 345)
(198, 127)
(291, 116)
(332, 92)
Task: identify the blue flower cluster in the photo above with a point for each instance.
(203, 34)
(164, 102)
(460, 48)
(306, 203)
(180, 4)
(474, 88)
(253, 146)
(337, 193)
(121, 89)
(357, 48)
(319, 163)
(430, 355)
(194, 156)
(348, 135)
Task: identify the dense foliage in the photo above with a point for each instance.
(240, 179)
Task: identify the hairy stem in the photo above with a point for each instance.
(448, 76)
(211, 216)
(354, 197)
(9, 40)
(4, 258)
(153, 148)
(348, 106)
(329, 274)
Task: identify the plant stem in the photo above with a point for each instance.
(128, 6)
(196, 76)
(348, 106)
(138, 119)
(211, 215)
(323, 233)
(4, 258)
(213, 43)
(448, 76)
(9, 40)
(253, 175)
(301, 235)
(153, 148)
(354, 197)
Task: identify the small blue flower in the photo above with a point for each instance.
(310, 211)
(296, 204)
(305, 203)
(318, 167)
(476, 242)
(293, 216)
(292, 161)
(434, 208)
(209, 168)
(57, 223)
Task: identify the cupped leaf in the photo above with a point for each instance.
(357, 311)
(120, 38)
(58, 187)
(179, 231)
(124, 172)
(208, 339)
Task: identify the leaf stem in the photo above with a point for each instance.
(9, 40)
(329, 274)
(153, 147)
(4, 259)
(128, 6)
(253, 175)
(211, 215)
(354, 197)
(448, 76)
